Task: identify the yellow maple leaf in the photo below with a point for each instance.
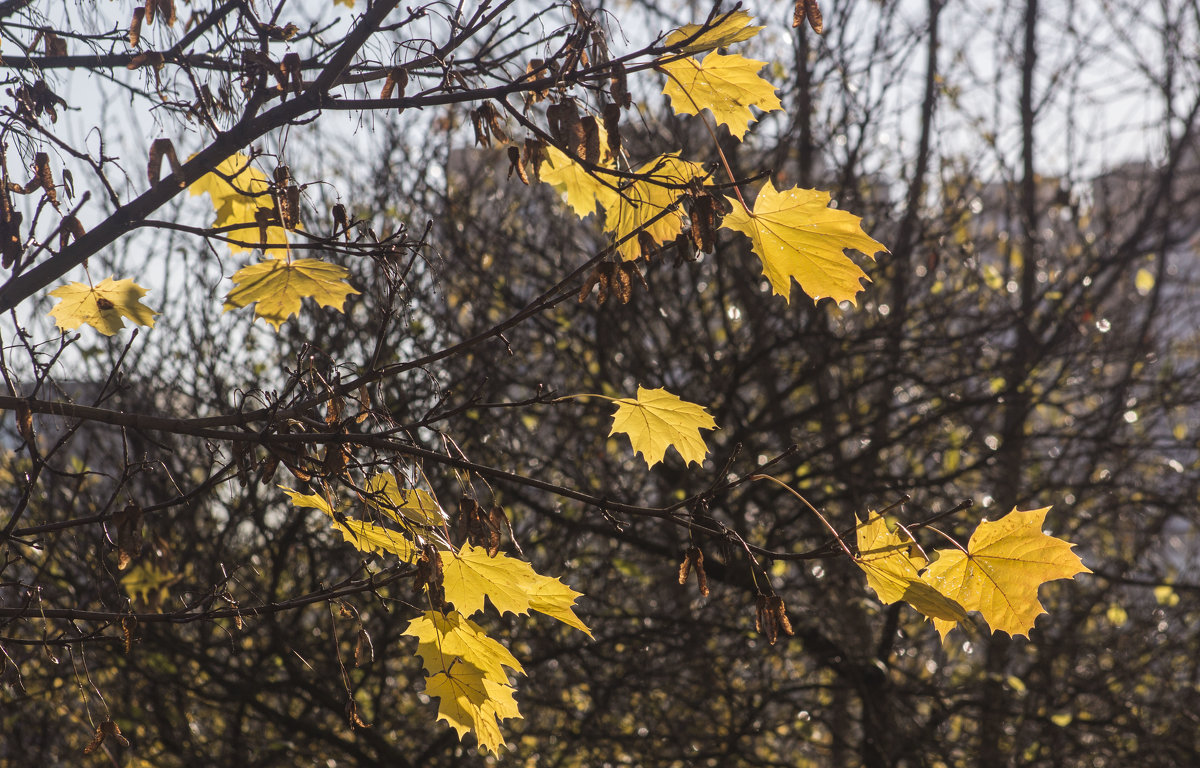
(797, 235)
(238, 205)
(363, 536)
(472, 701)
(149, 583)
(657, 419)
(893, 568)
(443, 638)
(638, 204)
(347, 3)
(404, 505)
(276, 287)
(726, 85)
(102, 306)
(469, 575)
(582, 189)
(1005, 563)
(733, 28)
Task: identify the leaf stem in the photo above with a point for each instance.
(815, 511)
(712, 133)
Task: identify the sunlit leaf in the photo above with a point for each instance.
(657, 419)
(797, 235)
(442, 638)
(726, 85)
(733, 28)
(102, 306)
(893, 568)
(276, 287)
(469, 575)
(471, 701)
(403, 504)
(999, 575)
(641, 202)
(238, 205)
(363, 536)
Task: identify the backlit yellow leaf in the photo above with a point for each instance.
(238, 204)
(639, 203)
(999, 575)
(797, 235)
(276, 287)
(726, 85)
(656, 419)
(443, 638)
(363, 536)
(733, 28)
(469, 575)
(893, 568)
(582, 190)
(471, 701)
(101, 307)
(403, 504)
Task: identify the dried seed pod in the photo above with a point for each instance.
(810, 10)
(340, 219)
(292, 76)
(135, 26)
(266, 470)
(515, 164)
(612, 128)
(396, 82)
(25, 423)
(705, 222)
(70, 229)
(148, 59)
(54, 45)
(499, 520)
(591, 282)
(764, 621)
(618, 86)
(429, 578)
(647, 245)
(129, 534)
(128, 624)
(775, 605)
(631, 269)
(693, 560)
(494, 122)
(591, 139)
(10, 226)
(481, 132)
(685, 568)
(43, 178)
(159, 149)
(621, 283)
(364, 649)
(533, 155)
(352, 715)
(536, 69)
(560, 118)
